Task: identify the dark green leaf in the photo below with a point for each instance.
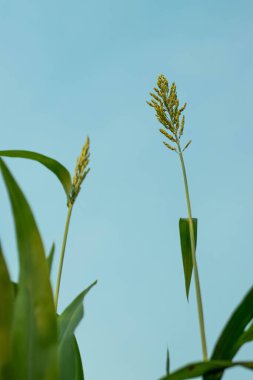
(78, 362)
(34, 340)
(78, 374)
(233, 335)
(67, 322)
(58, 169)
(203, 368)
(246, 337)
(186, 249)
(168, 363)
(227, 345)
(73, 368)
(6, 315)
(51, 257)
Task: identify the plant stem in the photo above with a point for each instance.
(62, 255)
(194, 261)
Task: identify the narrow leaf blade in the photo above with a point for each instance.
(50, 258)
(204, 368)
(67, 322)
(34, 339)
(54, 166)
(246, 337)
(233, 335)
(227, 344)
(78, 372)
(168, 363)
(186, 249)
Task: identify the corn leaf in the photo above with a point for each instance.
(50, 258)
(56, 167)
(73, 367)
(79, 375)
(67, 322)
(168, 363)
(246, 337)
(6, 315)
(34, 339)
(227, 345)
(203, 368)
(234, 335)
(186, 249)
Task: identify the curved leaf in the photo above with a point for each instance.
(186, 249)
(233, 335)
(67, 322)
(227, 345)
(246, 337)
(204, 368)
(56, 167)
(79, 375)
(34, 339)
(73, 368)
(6, 315)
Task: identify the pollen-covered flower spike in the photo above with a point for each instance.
(166, 104)
(81, 171)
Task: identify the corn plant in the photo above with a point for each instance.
(237, 331)
(35, 342)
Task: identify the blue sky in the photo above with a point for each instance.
(71, 69)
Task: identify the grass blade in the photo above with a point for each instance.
(34, 340)
(234, 335)
(75, 362)
(6, 315)
(204, 368)
(54, 166)
(50, 258)
(246, 337)
(168, 363)
(67, 322)
(79, 375)
(227, 345)
(186, 249)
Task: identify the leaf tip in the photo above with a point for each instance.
(167, 362)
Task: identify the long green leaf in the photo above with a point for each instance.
(34, 340)
(203, 368)
(186, 249)
(234, 335)
(227, 344)
(6, 315)
(79, 375)
(56, 167)
(67, 322)
(73, 369)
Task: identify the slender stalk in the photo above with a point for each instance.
(64, 241)
(194, 261)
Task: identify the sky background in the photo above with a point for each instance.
(72, 69)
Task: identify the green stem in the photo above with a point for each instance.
(194, 261)
(62, 256)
